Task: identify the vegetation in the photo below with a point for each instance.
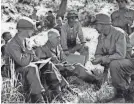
(12, 11)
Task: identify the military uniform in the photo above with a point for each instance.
(114, 47)
(69, 39)
(58, 57)
(123, 18)
(114, 53)
(16, 49)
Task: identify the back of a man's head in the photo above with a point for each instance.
(6, 36)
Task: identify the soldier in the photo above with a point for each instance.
(69, 33)
(6, 36)
(53, 49)
(123, 17)
(112, 52)
(17, 50)
(58, 24)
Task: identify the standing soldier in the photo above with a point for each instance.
(112, 52)
(72, 38)
(17, 50)
(123, 17)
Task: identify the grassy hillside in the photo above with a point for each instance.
(87, 92)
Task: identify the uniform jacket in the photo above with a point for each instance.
(114, 46)
(18, 52)
(121, 17)
(69, 35)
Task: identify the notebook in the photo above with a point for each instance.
(74, 58)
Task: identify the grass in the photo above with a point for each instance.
(87, 94)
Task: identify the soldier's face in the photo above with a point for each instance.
(8, 37)
(55, 40)
(98, 27)
(72, 19)
(122, 3)
(30, 33)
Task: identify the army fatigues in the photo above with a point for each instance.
(69, 38)
(16, 50)
(58, 53)
(114, 47)
(123, 18)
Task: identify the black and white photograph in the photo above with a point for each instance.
(67, 51)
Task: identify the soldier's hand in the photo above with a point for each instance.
(105, 60)
(96, 61)
(35, 58)
(60, 66)
(70, 67)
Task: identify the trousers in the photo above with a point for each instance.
(120, 70)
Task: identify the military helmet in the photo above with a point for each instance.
(101, 18)
(72, 13)
(26, 23)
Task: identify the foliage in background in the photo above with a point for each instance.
(12, 11)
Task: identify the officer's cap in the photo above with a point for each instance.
(101, 19)
(26, 23)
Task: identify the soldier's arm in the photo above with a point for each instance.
(99, 52)
(120, 48)
(80, 34)
(64, 38)
(23, 59)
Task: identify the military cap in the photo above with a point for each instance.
(101, 18)
(72, 13)
(26, 23)
(127, 1)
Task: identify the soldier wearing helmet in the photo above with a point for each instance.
(72, 38)
(112, 52)
(17, 50)
(123, 17)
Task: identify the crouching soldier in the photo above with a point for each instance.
(17, 50)
(113, 52)
(72, 38)
(53, 49)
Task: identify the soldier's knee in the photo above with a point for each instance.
(114, 65)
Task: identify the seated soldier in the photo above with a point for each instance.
(51, 78)
(16, 49)
(5, 68)
(112, 51)
(6, 36)
(53, 49)
(72, 38)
